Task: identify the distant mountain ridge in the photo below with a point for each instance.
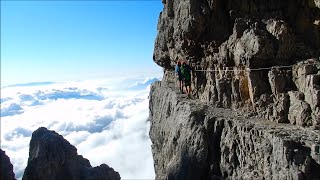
(143, 84)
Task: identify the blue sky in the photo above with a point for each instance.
(76, 40)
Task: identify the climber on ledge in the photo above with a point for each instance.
(186, 74)
(179, 75)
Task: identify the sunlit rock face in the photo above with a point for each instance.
(53, 157)
(231, 36)
(255, 111)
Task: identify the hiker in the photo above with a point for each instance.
(186, 74)
(179, 75)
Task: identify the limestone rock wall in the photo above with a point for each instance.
(51, 157)
(233, 36)
(192, 140)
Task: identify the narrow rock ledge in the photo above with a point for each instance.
(192, 140)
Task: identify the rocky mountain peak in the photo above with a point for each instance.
(53, 157)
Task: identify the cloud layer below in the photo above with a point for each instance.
(105, 119)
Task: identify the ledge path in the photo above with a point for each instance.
(192, 140)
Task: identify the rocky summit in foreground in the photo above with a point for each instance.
(255, 111)
(51, 157)
(6, 168)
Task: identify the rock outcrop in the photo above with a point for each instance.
(52, 157)
(257, 53)
(6, 168)
(255, 111)
(191, 140)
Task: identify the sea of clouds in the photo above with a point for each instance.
(105, 119)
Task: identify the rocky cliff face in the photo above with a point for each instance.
(256, 111)
(246, 43)
(6, 168)
(191, 140)
(52, 157)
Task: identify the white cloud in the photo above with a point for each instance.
(105, 119)
(10, 109)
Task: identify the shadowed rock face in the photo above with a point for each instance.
(6, 168)
(229, 35)
(52, 157)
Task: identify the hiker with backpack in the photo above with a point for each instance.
(179, 75)
(186, 74)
